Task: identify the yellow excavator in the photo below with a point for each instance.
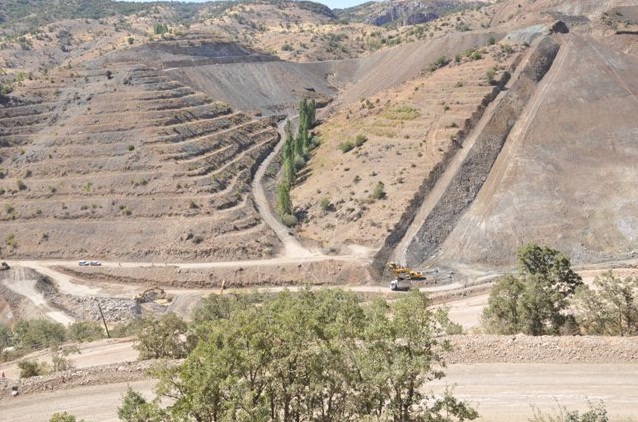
(405, 273)
(404, 277)
(154, 294)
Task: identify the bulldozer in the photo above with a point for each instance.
(404, 273)
(154, 294)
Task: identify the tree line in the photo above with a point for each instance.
(546, 297)
(294, 157)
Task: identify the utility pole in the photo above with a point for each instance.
(108, 335)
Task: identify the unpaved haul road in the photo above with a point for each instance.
(93, 403)
(500, 392)
(506, 392)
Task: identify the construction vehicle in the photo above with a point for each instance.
(154, 294)
(4, 266)
(404, 273)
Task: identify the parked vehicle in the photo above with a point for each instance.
(401, 284)
(95, 263)
(84, 263)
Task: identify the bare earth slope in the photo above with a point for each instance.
(94, 160)
(566, 177)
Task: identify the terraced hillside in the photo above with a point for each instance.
(129, 164)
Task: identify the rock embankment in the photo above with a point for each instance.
(468, 349)
(98, 375)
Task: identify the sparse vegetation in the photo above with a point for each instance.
(401, 113)
(596, 413)
(439, 63)
(379, 191)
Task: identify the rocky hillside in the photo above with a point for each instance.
(94, 159)
(162, 112)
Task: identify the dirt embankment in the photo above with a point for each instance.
(106, 374)
(407, 218)
(473, 172)
(319, 273)
(469, 349)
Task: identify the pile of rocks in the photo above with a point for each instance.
(86, 308)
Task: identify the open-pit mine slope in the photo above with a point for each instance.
(566, 176)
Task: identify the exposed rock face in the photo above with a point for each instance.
(413, 12)
(404, 15)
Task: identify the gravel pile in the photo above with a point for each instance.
(85, 308)
(543, 349)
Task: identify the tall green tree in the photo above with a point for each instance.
(164, 337)
(284, 204)
(610, 308)
(551, 265)
(312, 356)
(533, 301)
(38, 334)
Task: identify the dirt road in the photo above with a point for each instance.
(505, 392)
(94, 403)
(23, 284)
(499, 391)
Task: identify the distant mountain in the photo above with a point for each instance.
(404, 12)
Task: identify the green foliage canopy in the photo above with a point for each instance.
(533, 301)
(315, 356)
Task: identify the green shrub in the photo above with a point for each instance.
(299, 163)
(379, 191)
(346, 146)
(37, 334)
(64, 417)
(85, 331)
(439, 63)
(31, 368)
(490, 74)
(325, 204)
(289, 220)
(360, 139)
